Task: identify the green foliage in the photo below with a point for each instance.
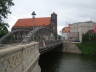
(89, 36)
(88, 48)
(4, 11)
(3, 29)
(88, 45)
(5, 8)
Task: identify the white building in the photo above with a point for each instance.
(77, 29)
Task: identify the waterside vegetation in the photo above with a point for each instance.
(88, 44)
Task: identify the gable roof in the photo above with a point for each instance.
(33, 22)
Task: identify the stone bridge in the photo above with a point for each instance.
(23, 57)
(20, 58)
(17, 55)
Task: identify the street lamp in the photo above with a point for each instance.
(33, 14)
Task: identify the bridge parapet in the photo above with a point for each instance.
(49, 45)
(21, 58)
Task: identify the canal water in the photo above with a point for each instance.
(60, 62)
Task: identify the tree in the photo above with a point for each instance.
(5, 8)
(89, 36)
(4, 11)
(3, 29)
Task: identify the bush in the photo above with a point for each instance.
(88, 48)
(88, 45)
(89, 36)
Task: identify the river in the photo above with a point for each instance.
(60, 62)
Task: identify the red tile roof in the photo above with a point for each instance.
(66, 29)
(33, 22)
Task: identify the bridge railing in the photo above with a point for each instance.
(49, 43)
(21, 58)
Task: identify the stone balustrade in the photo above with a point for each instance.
(21, 58)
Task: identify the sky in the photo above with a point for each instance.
(68, 11)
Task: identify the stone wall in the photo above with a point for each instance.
(20, 58)
(70, 47)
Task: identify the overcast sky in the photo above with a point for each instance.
(68, 11)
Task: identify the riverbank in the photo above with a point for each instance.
(70, 47)
(88, 47)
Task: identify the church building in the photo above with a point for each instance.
(24, 26)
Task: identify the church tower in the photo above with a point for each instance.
(54, 24)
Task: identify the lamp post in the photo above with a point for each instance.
(33, 14)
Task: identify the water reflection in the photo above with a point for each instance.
(57, 62)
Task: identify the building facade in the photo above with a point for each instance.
(65, 32)
(24, 26)
(78, 29)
